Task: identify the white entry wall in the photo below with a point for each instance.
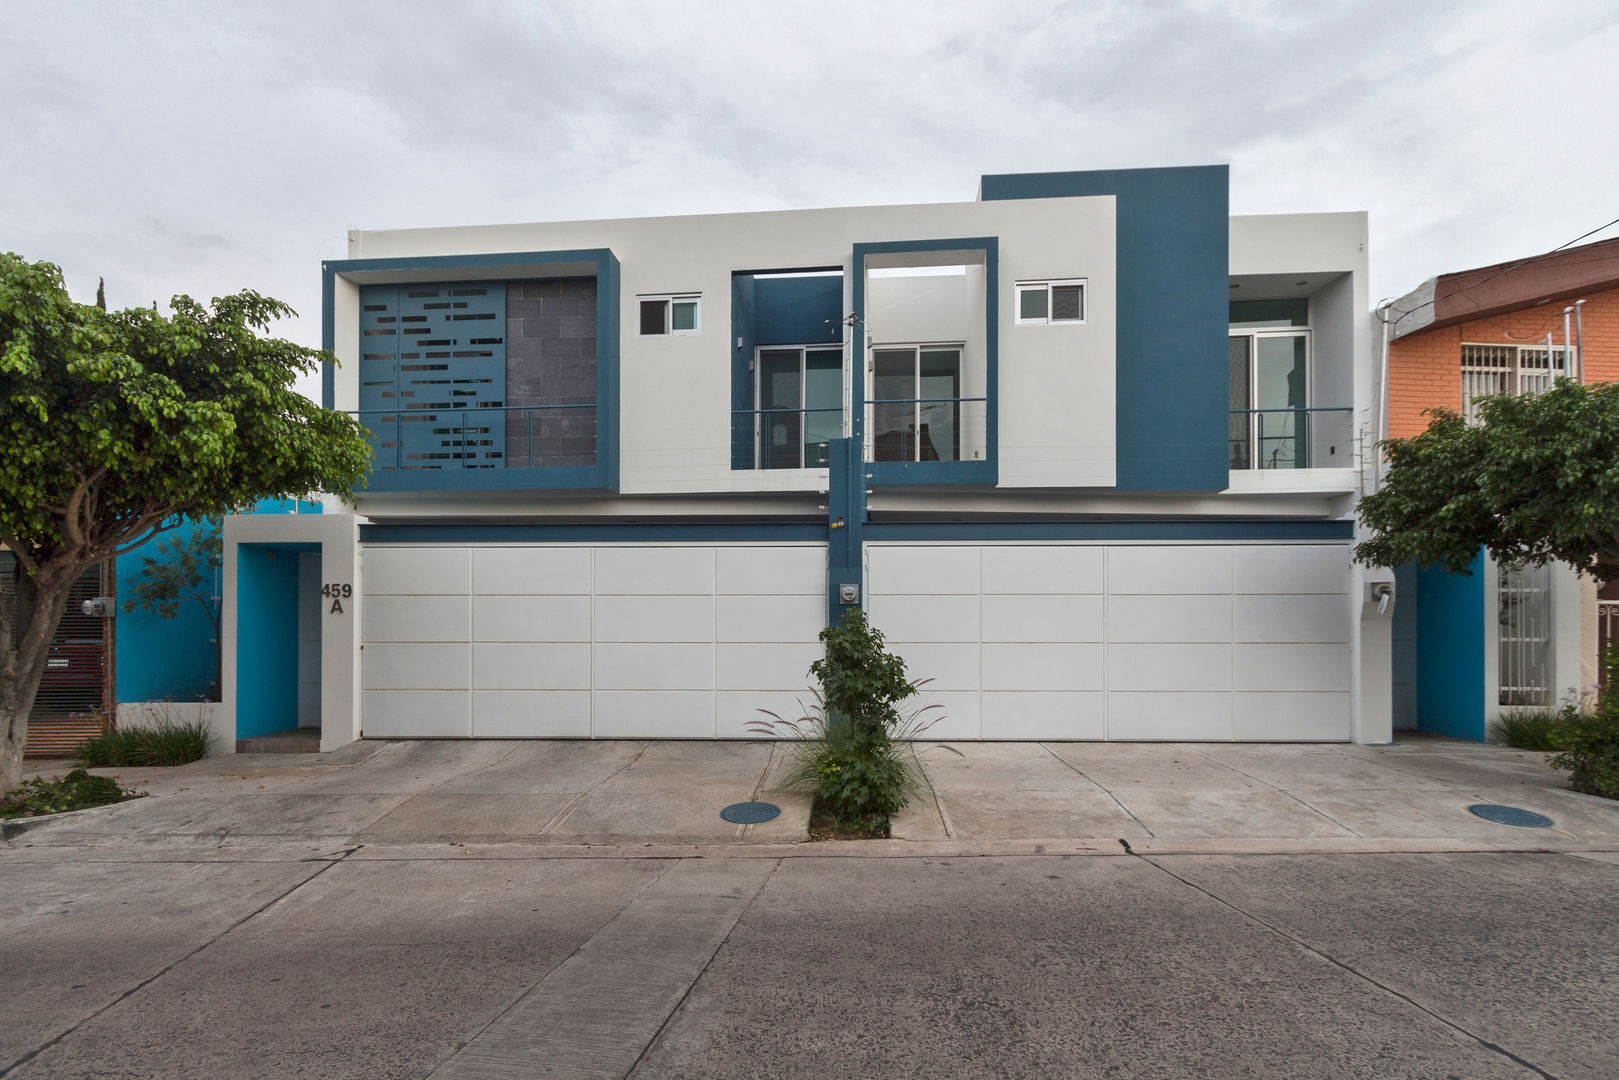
(1124, 641)
(606, 640)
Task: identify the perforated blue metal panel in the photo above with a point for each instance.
(433, 374)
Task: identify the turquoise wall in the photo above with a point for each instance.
(1450, 652)
(171, 659)
(267, 637)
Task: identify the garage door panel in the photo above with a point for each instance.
(530, 665)
(949, 714)
(1168, 716)
(532, 714)
(1043, 570)
(949, 666)
(1291, 619)
(416, 714)
(1292, 667)
(1044, 666)
(771, 571)
(1042, 618)
(766, 667)
(393, 666)
(1169, 667)
(896, 571)
(925, 618)
(531, 618)
(1298, 568)
(797, 619)
(1044, 715)
(1169, 619)
(548, 571)
(655, 618)
(735, 710)
(644, 571)
(407, 571)
(1185, 568)
(415, 618)
(643, 666)
(1292, 717)
(653, 714)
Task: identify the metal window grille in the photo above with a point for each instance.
(1607, 635)
(1526, 636)
(1507, 369)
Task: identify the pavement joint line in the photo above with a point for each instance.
(1277, 787)
(703, 970)
(602, 1047)
(933, 790)
(1110, 794)
(1342, 965)
(580, 797)
(515, 1001)
(150, 979)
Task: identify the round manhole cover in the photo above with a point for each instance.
(1511, 815)
(750, 813)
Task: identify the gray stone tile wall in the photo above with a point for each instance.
(551, 360)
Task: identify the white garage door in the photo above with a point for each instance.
(1074, 641)
(606, 640)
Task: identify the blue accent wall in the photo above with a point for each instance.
(768, 310)
(1450, 652)
(267, 637)
(846, 524)
(1173, 265)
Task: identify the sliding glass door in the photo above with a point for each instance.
(800, 406)
(916, 403)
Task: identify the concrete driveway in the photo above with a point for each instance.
(1412, 796)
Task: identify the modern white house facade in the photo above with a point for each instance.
(627, 470)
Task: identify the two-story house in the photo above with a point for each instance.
(1086, 448)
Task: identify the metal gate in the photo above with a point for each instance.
(73, 700)
(1525, 624)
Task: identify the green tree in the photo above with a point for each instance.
(1537, 480)
(184, 568)
(119, 424)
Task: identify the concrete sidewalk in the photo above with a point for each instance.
(986, 797)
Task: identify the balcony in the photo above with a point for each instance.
(1292, 438)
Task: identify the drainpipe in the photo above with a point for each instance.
(1569, 362)
(1383, 392)
(1579, 336)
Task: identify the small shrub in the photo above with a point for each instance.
(75, 791)
(1590, 751)
(853, 744)
(1532, 729)
(156, 740)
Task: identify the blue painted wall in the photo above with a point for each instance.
(1450, 652)
(171, 659)
(267, 637)
(774, 311)
(1173, 264)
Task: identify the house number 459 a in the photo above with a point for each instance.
(337, 593)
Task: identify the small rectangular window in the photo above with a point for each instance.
(1041, 303)
(674, 313)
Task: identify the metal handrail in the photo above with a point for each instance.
(922, 401)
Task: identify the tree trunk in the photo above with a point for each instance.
(36, 609)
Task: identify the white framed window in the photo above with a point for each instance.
(1043, 303)
(664, 314)
(1508, 369)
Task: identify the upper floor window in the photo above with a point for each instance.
(671, 313)
(799, 399)
(916, 402)
(1270, 384)
(1044, 302)
(1507, 369)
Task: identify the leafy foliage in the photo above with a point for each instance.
(119, 424)
(1537, 480)
(1532, 729)
(162, 741)
(1590, 741)
(853, 744)
(78, 790)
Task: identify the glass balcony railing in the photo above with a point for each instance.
(927, 429)
(1314, 438)
(518, 436)
(784, 438)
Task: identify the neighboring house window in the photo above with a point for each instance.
(798, 402)
(674, 313)
(1044, 302)
(1270, 384)
(1507, 369)
(916, 402)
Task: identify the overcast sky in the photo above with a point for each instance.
(204, 148)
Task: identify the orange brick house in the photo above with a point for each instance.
(1468, 647)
